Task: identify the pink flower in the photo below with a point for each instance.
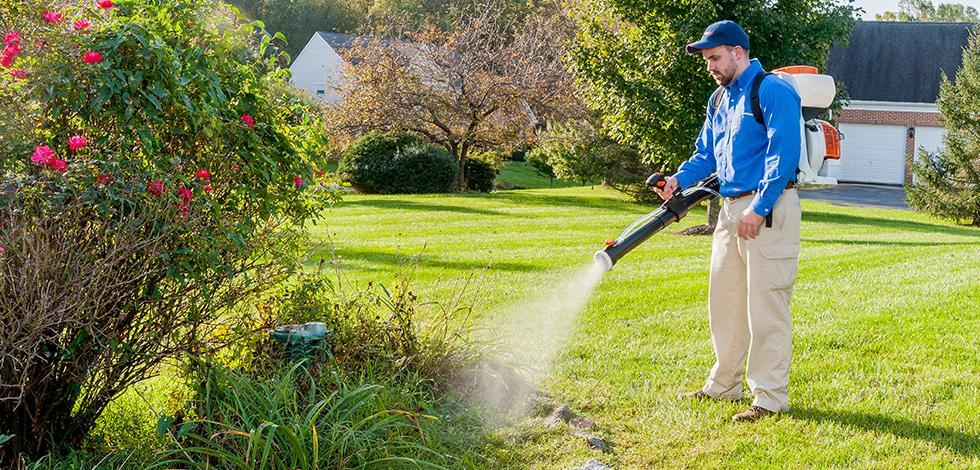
(204, 174)
(76, 142)
(43, 155)
(12, 49)
(59, 165)
(247, 119)
(10, 38)
(82, 24)
(19, 74)
(104, 179)
(3, 250)
(297, 181)
(106, 4)
(92, 57)
(10, 54)
(208, 188)
(235, 168)
(155, 188)
(52, 17)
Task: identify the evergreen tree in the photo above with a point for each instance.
(947, 183)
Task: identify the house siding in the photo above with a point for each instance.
(318, 67)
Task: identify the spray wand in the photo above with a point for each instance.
(672, 210)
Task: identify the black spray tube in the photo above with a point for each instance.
(669, 212)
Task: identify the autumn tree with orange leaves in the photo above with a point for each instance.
(488, 82)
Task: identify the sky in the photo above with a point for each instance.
(872, 7)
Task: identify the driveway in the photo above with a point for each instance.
(860, 195)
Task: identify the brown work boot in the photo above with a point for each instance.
(696, 395)
(754, 413)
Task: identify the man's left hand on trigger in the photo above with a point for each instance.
(749, 223)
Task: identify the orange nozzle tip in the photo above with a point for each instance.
(610, 242)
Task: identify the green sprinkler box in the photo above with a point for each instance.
(302, 341)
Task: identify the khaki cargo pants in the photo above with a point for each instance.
(748, 303)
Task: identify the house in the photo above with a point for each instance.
(892, 71)
(318, 68)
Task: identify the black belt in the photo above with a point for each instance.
(790, 185)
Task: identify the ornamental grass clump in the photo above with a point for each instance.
(155, 172)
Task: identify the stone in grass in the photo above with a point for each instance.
(594, 441)
(561, 413)
(593, 465)
(582, 424)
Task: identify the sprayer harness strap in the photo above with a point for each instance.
(753, 97)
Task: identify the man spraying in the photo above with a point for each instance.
(756, 245)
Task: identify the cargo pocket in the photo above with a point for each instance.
(781, 261)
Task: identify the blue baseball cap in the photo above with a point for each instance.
(722, 33)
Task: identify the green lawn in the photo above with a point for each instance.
(886, 366)
(521, 175)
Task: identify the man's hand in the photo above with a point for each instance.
(749, 223)
(669, 188)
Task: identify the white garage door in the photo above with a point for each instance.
(872, 153)
(929, 137)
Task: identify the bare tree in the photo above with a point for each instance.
(489, 81)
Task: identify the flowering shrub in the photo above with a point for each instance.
(124, 122)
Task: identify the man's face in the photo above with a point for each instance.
(721, 63)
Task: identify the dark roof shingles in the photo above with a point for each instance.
(898, 61)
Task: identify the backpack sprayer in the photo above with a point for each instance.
(820, 144)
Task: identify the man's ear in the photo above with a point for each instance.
(745, 52)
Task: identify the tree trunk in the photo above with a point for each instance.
(461, 172)
(714, 208)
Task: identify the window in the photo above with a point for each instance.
(321, 92)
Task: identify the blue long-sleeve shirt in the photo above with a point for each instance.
(747, 155)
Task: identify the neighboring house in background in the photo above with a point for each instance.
(892, 71)
(318, 68)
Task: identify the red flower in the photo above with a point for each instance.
(59, 165)
(104, 179)
(186, 194)
(10, 38)
(297, 181)
(52, 17)
(155, 188)
(247, 119)
(19, 74)
(76, 142)
(92, 57)
(106, 4)
(82, 24)
(43, 155)
(10, 54)
(208, 188)
(204, 174)
(235, 168)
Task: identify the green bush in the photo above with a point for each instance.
(480, 174)
(397, 164)
(156, 169)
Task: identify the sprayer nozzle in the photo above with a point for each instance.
(603, 260)
(610, 242)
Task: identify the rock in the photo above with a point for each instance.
(562, 413)
(593, 465)
(582, 424)
(594, 441)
